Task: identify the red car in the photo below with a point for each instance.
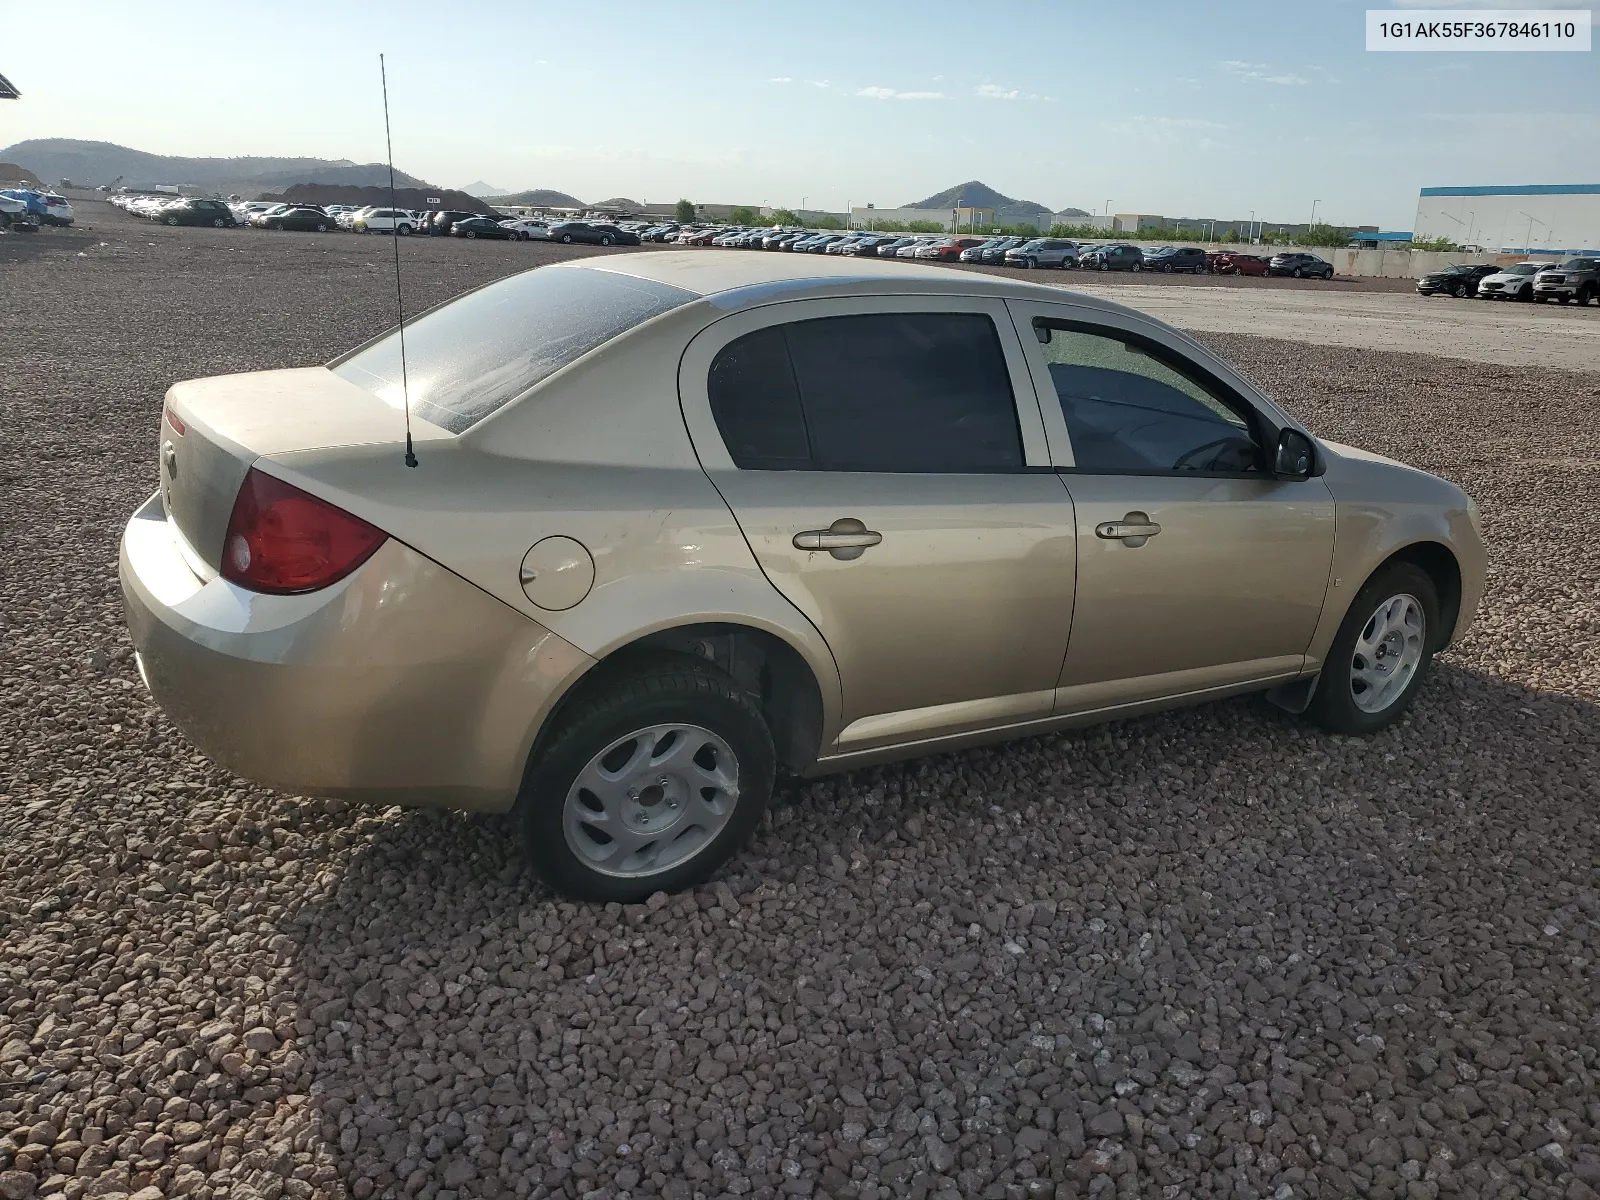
(950, 249)
(703, 238)
(1230, 262)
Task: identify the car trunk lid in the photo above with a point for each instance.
(212, 430)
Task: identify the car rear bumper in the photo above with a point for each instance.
(400, 684)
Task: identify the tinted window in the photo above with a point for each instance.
(879, 392)
(466, 359)
(1129, 411)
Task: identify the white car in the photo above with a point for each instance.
(384, 220)
(523, 229)
(1514, 283)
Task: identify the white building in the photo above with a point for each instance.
(1555, 218)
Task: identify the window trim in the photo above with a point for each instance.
(1259, 416)
(694, 369)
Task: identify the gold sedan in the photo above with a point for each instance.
(686, 520)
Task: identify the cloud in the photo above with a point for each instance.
(1250, 72)
(819, 83)
(884, 93)
(993, 91)
(780, 79)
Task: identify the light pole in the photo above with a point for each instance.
(1528, 247)
(1472, 218)
(1313, 221)
(1251, 230)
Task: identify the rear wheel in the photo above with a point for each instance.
(322, 227)
(1166, 268)
(566, 239)
(605, 241)
(650, 784)
(1381, 653)
(172, 220)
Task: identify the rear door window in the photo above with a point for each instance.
(888, 392)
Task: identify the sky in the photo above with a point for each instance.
(1168, 107)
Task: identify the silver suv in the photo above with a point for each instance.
(1044, 252)
(1576, 279)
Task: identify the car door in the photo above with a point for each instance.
(885, 460)
(1198, 570)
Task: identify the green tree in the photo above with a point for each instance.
(784, 216)
(744, 216)
(683, 213)
(1435, 243)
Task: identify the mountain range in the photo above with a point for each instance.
(90, 164)
(974, 194)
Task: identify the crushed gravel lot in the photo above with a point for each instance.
(1212, 953)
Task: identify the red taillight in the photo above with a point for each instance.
(283, 540)
(178, 426)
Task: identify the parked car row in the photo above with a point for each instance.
(1011, 251)
(401, 222)
(1575, 279)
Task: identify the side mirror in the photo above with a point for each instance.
(1295, 457)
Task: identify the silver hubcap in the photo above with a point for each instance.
(651, 800)
(1387, 653)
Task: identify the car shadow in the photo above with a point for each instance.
(462, 1031)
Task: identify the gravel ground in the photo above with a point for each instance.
(1213, 953)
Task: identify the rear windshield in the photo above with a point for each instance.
(468, 358)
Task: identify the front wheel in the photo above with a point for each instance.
(403, 230)
(650, 784)
(470, 234)
(1030, 263)
(1166, 268)
(1457, 290)
(1381, 653)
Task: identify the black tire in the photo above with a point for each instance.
(566, 239)
(471, 233)
(1328, 274)
(1166, 268)
(1030, 263)
(1526, 294)
(403, 230)
(1585, 294)
(172, 221)
(218, 223)
(1104, 265)
(605, 241)
(660, 691)
(1299, 274)
(322, 227)
(1458, 290)
(1333, 705)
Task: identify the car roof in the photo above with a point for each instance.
(734, 278)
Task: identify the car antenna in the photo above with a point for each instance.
(394, 237)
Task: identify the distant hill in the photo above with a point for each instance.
(90, 164)
(11, 173)
(974, 194)
(618, 202)
(482, 189)
(538, 198)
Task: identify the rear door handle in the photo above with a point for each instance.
(1133, 530)
(845, 539)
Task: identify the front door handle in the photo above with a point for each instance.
(1133, 530)
(845, 539)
